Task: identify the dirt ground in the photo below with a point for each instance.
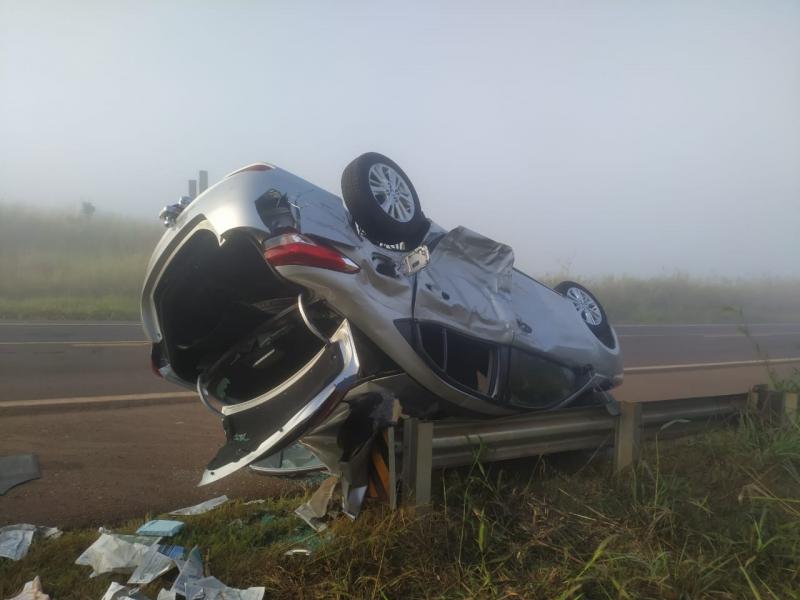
(104, 466)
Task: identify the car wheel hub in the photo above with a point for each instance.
(391, 192)
(585, 305)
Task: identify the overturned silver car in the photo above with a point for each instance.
(293, 312)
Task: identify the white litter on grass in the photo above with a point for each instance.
(32, 591)
(16, 539)
(203, 507)
(191, 570)
(114, 553)
(118, 591)
(193, 585)
(211, 588)
(152, 566)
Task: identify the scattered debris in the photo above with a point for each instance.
(160, 527)
(190, 570)
(249, 502)
(17, 469)
(115, 553)
(117, 591)
(298, 552)
(156, 561)
(294, 461)
(203, 507)
(32, 591)
(16, 539)
(315, 510)
(194, 585)
(211, 588)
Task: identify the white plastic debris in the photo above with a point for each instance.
(211, 588)
(191, 570)
(156, 561)
(192, 584)
(16, 539)
(315, 510)
(118, 591)
(114, 553)
(203, 507)
(32, 591)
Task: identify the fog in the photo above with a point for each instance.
(607, 137)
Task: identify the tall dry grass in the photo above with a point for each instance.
(56, 264)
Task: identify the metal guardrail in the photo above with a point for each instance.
(455, 443)
(452, 443)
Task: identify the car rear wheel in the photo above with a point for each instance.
(589, 308)
(382, 200)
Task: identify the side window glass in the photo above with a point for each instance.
(470, 362)
(535, 382)
(465, 360)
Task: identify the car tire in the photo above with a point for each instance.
(591, 311)
(382, 200)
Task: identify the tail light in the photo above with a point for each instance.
(296, 249)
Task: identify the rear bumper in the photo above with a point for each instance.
(277, 418)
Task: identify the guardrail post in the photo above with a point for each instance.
(781, 407)
(757, 396)
(628, 435)
(790, 401)
(417, 464)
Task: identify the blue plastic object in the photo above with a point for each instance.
(160, 527)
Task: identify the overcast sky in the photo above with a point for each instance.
(605, 137)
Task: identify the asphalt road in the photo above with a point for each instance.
(67, 360)
(105, 466)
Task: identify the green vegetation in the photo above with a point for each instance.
(713, 516)
(56, 265)
(83, 266)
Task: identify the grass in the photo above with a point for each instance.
(56, 265)
(713, 516)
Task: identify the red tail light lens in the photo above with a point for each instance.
(296, 249)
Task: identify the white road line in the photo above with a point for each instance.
(79, 344)
(80, 324)
(717, 365)
(636, 325)
(94, 399)
(746, 335)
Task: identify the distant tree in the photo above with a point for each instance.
(87, 210)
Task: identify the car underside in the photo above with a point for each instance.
(290, 318)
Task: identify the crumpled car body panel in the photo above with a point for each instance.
(469, 290)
